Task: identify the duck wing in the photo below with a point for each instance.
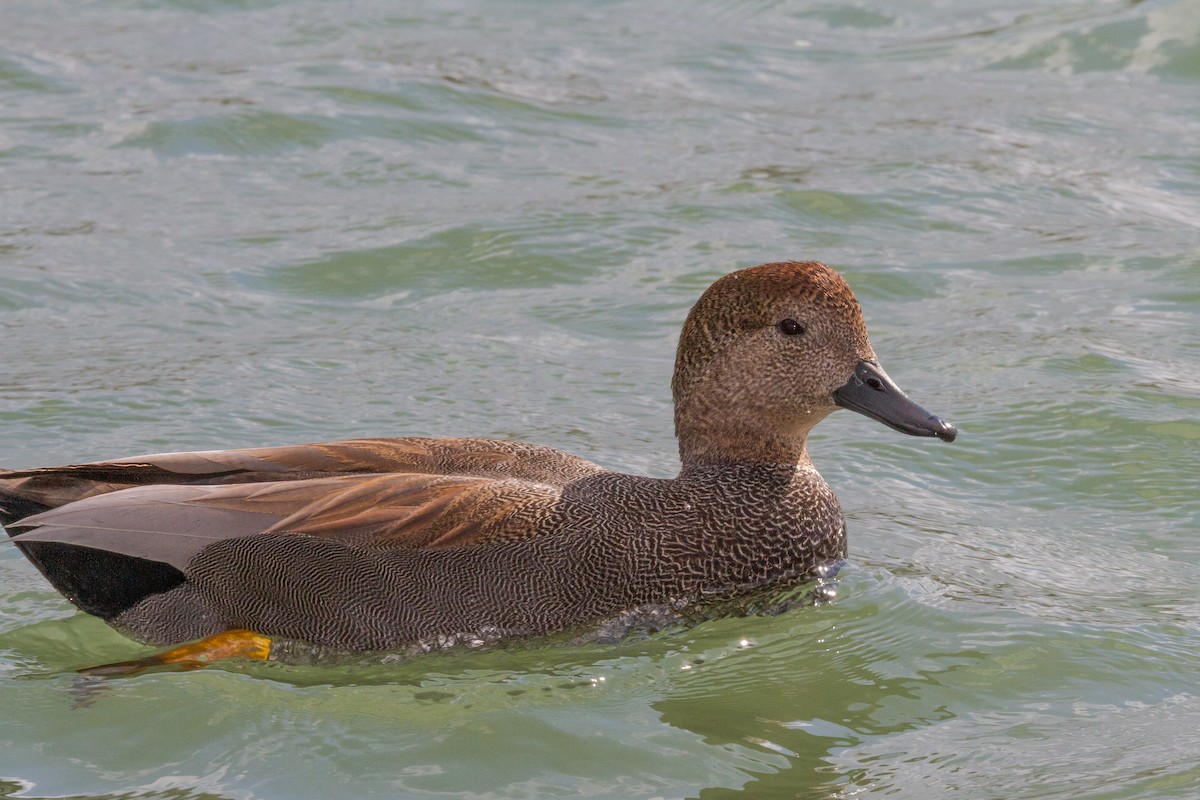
(172, 523)
(27, 492)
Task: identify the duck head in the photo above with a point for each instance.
(767, 353)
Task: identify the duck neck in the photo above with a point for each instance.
(714, 429)
(735, 447)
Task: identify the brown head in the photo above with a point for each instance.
(767, 353)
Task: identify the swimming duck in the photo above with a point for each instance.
(376, 544)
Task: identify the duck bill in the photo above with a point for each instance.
(871, 392)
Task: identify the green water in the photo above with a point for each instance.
(249, 223)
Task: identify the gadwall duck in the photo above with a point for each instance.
(380, 544)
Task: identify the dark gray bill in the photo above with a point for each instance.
(871, 392)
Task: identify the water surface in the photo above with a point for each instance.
(253, 223)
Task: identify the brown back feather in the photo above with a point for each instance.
(24, 492)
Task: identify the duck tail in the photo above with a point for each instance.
(99, 582)
(14, 505)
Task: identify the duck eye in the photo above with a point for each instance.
(790, 327)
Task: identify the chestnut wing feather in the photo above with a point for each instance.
(24, 492)
(173, 523)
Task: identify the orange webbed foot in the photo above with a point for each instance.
(229, 644)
